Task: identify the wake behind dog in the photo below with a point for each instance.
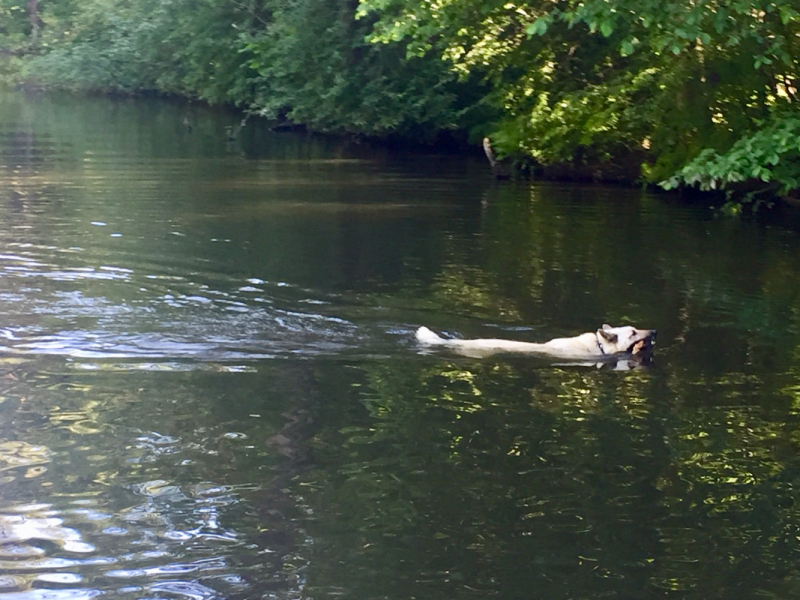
(605, 343)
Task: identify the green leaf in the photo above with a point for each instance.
(626, 49)
(787, 14)
(538, 27)
(606, 28)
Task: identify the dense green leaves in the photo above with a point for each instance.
(599, 78)
(14, 23)
(304, 60)
(315, 67)
(770, 156)
(669, 89)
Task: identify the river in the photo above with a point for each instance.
(210, 387)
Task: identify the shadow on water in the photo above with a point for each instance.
(209, 386)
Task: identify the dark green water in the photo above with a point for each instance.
(209, 386)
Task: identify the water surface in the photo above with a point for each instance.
(209, 386)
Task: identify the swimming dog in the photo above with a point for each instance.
(604, 344)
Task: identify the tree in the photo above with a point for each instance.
(600, 79)
(315, 67)
(15, 25)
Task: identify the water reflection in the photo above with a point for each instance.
(133, 511)
(203, 322)
(209, 386)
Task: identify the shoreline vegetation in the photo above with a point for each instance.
(675, 95)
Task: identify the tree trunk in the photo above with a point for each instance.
(33, 17)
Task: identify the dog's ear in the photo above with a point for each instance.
(606, 327)
(611, 338)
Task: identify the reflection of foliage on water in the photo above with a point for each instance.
(466, 291)
(461, 469)
(451, 461)
(732, 477)
(566, 260)
(17, 454)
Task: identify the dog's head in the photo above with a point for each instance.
(614, 340)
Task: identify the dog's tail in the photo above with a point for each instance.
(426, 336)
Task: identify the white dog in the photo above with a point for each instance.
(604, 344)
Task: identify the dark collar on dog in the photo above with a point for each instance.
(599, 345)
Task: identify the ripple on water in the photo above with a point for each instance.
(222, 333)
(185, 589)
(52, 594)
(21, 459)
(60, 578)
(29, 536)
(45, 554)
(130, 313)
(31, 528)
(11, 583)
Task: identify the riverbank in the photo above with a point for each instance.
(604, 93)
(332, 70)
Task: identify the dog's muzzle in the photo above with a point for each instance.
(645, 344)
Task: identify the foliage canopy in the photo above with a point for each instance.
(672, 79)
(690, 93)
